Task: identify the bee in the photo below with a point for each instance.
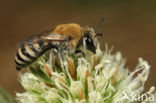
(63, 38)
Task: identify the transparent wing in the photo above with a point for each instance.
(28, 40)
(46, 36)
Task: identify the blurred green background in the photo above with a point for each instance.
(129, 26)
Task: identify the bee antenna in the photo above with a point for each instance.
(99, 24)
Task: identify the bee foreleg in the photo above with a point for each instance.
(62, 55)
(52, 59)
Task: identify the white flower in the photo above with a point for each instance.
(99, 78)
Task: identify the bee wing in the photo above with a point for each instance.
(44, 37)
(29, 40)
(55, 37)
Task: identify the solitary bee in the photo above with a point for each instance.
(63, 38)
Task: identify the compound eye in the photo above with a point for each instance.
(88, 41)
(90, 44)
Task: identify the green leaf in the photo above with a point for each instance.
(5, 97)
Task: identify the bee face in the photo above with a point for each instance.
(87, 40)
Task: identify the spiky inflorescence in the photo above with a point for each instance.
(95, 78)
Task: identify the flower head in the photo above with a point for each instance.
(95, 78)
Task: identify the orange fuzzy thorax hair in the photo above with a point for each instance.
(72, 29)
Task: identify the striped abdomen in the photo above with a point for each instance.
(28, 53)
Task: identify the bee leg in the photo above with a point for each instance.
(61, 51)
(62, 55)
(80, 52)
(52, 59)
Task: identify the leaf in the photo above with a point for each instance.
(5, 97)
